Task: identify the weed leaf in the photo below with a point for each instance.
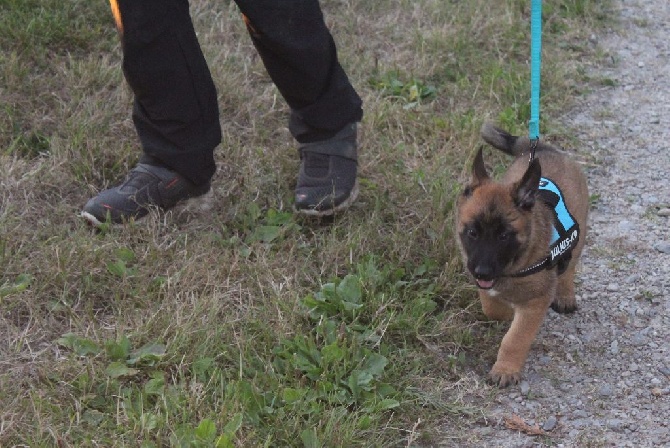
(21, 284)
(291, 395)
(206, 430)
(349, 289)
(332, 353)
(126, 255)
(117, 268)
(224, 441)
(81, 346)
(386, 404)
(155, 386)
(118, 351)
(147, 354)
(93, 417)
(233, 425)
(374, 364)
(119, 369)
(310, 439)
(265, 234)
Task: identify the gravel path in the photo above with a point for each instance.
(601, 377)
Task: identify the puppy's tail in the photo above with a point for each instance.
(509, 144)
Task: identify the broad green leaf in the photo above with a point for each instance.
(364, 422)
(149, 421)
(275, 218)
(349, 306)
(265, 234)
(349, 289)
(360, 380)
(81, 346)
(201, 366)
(234, 424)
(117, 268)
(310, 439)
(291, 395)
(385, 390)
(224, 441)
(332, 353)
(125, 254)
(21, 284)
(93, 417)
(386, 404)
(374, 364)
(206, 430)
(147, 354)
(155, 386)
(119, 369)
(118, 351)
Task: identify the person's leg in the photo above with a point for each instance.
(301, 58)
(175, 110)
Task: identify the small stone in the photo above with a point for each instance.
(550, 424)
(605, 390)
(581, 423)
(614, 347)
(612, 287)
(664, 370)
(658, 392)
(648, 199)
(664, 212)
(662, 247)
(638, 339)
(640, 64)
(633, 278)
(614, 424)
(626, 226)
(580, 413)
(524, 387)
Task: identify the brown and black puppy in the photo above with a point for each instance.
(521, 238)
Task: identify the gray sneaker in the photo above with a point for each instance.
(327, 181)
(146, 186)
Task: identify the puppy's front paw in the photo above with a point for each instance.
(563, 308)
(503, 377)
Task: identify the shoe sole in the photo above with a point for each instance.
(90, 219)
(331, 211)
(202, 202)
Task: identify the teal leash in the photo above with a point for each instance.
(535, 69)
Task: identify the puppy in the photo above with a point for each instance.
(521, 238)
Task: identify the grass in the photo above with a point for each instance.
(241, 324)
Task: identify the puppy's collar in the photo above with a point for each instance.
(541, 265)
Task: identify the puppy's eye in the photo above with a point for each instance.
(472, 234)
(504, 236)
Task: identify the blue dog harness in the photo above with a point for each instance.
(565, 233)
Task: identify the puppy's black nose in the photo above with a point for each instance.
(483, 271)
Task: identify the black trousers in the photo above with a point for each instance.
(175, 110)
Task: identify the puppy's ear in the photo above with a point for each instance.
(525, 191)
(479, 174)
